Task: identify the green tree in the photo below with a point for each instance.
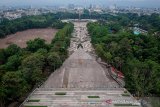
(34, 45)
(136, 56)
(32, 68)
(2, 96)
(42, 51)
(14, 85)
(12, 50)
(54, 60)
(2, 56)
(99, 50)
(13, 63)
(108, 57)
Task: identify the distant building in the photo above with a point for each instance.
(12, 15)
(138, 31)
(113, 8)
(98, 10)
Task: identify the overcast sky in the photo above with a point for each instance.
(138, 3)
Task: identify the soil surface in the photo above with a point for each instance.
(20, 38)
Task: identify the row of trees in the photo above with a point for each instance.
(149, 23)
(23, 69)
(136, 56)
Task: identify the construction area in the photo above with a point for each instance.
(81, 81)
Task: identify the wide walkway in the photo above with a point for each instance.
(64, 97)
(80, 81)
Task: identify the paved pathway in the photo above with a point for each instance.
(80, 70)
(80, 76)
(80, 36)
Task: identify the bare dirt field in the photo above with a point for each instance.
(20, 38)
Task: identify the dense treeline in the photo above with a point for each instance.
(149, 23)
(136, 56)
(21, 70)
(29, 22)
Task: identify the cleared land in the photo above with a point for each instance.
(20, 38)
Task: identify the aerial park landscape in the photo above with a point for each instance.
(78, 62)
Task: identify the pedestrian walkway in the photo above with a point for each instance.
(81, 81)
(80, 98)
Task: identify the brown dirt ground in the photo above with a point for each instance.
(20, 38)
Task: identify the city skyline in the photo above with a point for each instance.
(135, 3)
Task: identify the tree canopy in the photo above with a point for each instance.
(136, 56)
(22, 69)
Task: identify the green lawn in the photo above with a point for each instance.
(33, 100)
(93, 97)
(124, 105)
(35, 106)
(60, 93)
(126, 94)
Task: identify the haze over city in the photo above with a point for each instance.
(136, 3)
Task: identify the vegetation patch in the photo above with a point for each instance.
(124, 105)
(31, 62)
(35, 106)
(33, 100)
(125, 91)
(140, 61)
(126, 94)
(60, 93)
(93, 97)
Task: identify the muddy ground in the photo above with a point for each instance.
(20, 38)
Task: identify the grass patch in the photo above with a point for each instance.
(125, 91)
(124, 105)
(60, 93)
(34, 100)
(93, 97)
(35, 106)
(126, 94)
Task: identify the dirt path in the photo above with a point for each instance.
(20, 38)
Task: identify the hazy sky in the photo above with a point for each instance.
(139, 3)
